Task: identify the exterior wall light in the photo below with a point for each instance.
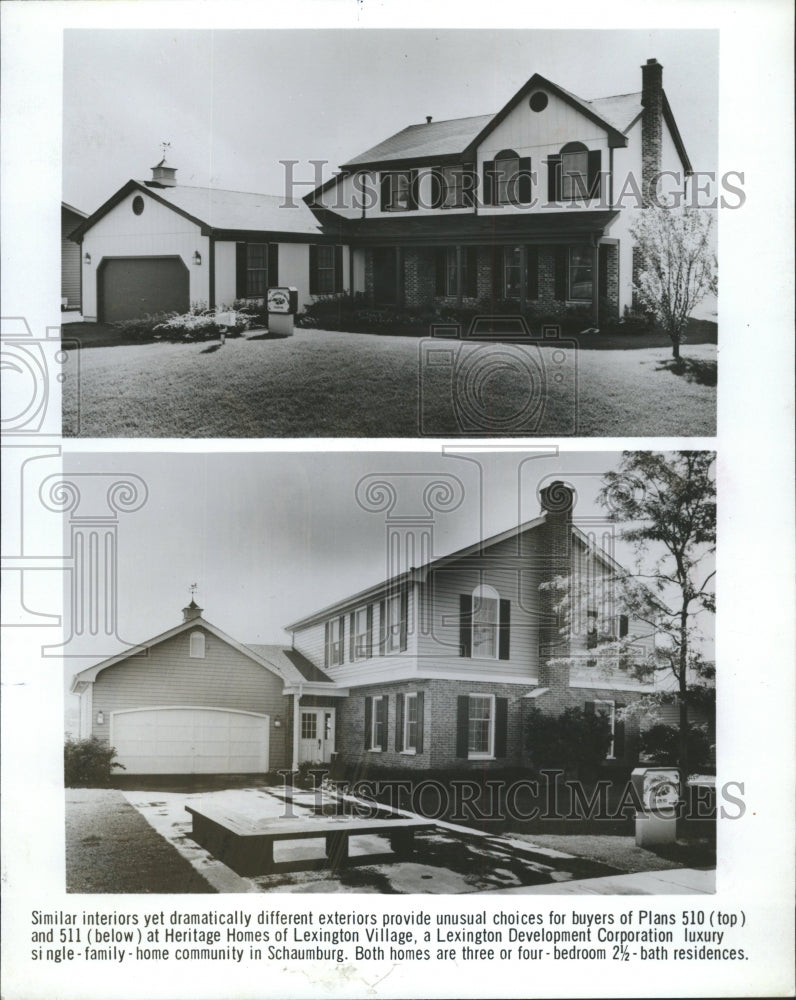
(87, 258)
(100, 718)
(277, 723)
(197, 257)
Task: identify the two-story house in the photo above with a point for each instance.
(437, 667)
(529, 205)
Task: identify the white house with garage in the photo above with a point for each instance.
(156, 246)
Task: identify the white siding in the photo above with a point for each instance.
(226, 273)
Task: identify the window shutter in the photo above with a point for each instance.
(413, 184)
(386, 190)
(489, 182)
(351, 636)
(589, 708)
(240, 270)
(313, 269)
(382, 626)
(338, 268)
(462, 724)
(524, 181)
(560, 274)
(381, 708)
(342, 638)
(619, 733)
(273, 265)
(497, 273)
(404, 618)
(595, 159)
(437, 188)
(327, 626)
(501, 726)
(553, 178)
(602, 271)
(369, 626)
(471, 291)
(465, 625)
(442, 264)
(399, 723)
(420, 709)
(623, 626)
(532, 272)
(504, 629)
(368, 722)
(469, 185)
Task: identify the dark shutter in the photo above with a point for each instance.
(273, 265)
(369, 626)
(420, 710)
(327, 626)
(462, 724)
(489, 182)
(623, 626)
(437, 188)
(553, 178)
(313, 269)
(368, 722)
(338, 268)
(404, 618)
(471, 291)
(469, 185)
(352, 636)
(382, 626)
(595, 158)
(560, 274)
(442, 264)
(413, 184)
(532, 272)
(465, 625)
(381, 708)
(497, 273)
(399, 723)
(619, 732)
(386, 189)
(501, 726)
(602, 270)
(240, 270)
(504, 629)
(342, 638)
(524, 181)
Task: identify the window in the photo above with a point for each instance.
(453, 179)
(450, 271)
(196, 647)
(394, 612)
(480, 725)
(592, 634)
(397, 194)
(256, 268)
(334, 642)
(512, 266)
(309, 725)
(486, 622)
(138, 204)
(580, 273)
(376, 723)
(574, 175)
(538, 101)
(507, 167)
(608, 708)
(410, 722)
(361, 627)
(326, 269)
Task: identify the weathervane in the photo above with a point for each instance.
(163, 147)
(192, 589)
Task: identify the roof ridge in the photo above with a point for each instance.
(204, 187)
(607, 97)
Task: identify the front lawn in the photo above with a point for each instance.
(323, 384)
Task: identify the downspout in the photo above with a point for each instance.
(296, 721)
(212, 272)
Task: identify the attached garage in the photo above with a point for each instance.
(190, 741)
(130, 287)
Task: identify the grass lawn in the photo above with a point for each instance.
(323, 384)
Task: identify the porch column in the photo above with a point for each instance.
(523, 277)
(296, 727)
(458, 274)
(595, 283)
(399, 276)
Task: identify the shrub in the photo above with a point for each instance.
(88, 763)
(659, 744)
(574, 740)
(143, 327)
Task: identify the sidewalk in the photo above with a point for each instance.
(674, 882)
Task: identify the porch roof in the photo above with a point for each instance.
(537, 227)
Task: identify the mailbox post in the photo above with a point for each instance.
(282, 305)
(658, 788)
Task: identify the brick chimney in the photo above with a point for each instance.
(651, 127)
(192, 611)
(555, 564)
(163, 175)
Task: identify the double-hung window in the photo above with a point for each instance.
(450, 271)
(360, 634)
(580, 274)
(575, 175)
(608, 709)
(486, 621)
(512, 267)
(410, 722)
(256, 268)
(392, 643)
(378, 732)
(507, 169)
(481, 726)
(325, 274)
(399, 187)
(334, 642)
(453, 181)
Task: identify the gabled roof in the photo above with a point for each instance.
(73, 210)
(217, 211)
(421, 141)
(289, 666)
(621, 110)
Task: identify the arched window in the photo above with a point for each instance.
(574, 171)
(196, 649)
(507, 167)
(486, 622)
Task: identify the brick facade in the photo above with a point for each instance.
(651, 127)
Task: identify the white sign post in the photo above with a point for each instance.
(282, 305)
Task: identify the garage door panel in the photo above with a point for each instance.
(191, 741)
(131, 287)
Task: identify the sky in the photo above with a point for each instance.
(234, 103)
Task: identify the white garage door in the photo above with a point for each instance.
(190, 741)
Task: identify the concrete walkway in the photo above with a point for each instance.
(674, 882)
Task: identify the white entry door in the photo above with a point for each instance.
(316, 737)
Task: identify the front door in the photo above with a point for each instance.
(316, 739)
(384, 276)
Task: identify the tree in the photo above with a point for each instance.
(666, 505)
(677, 265)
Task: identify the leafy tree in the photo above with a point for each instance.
(666, 505)
(573, 740)
(88, 762)
(678, 267)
